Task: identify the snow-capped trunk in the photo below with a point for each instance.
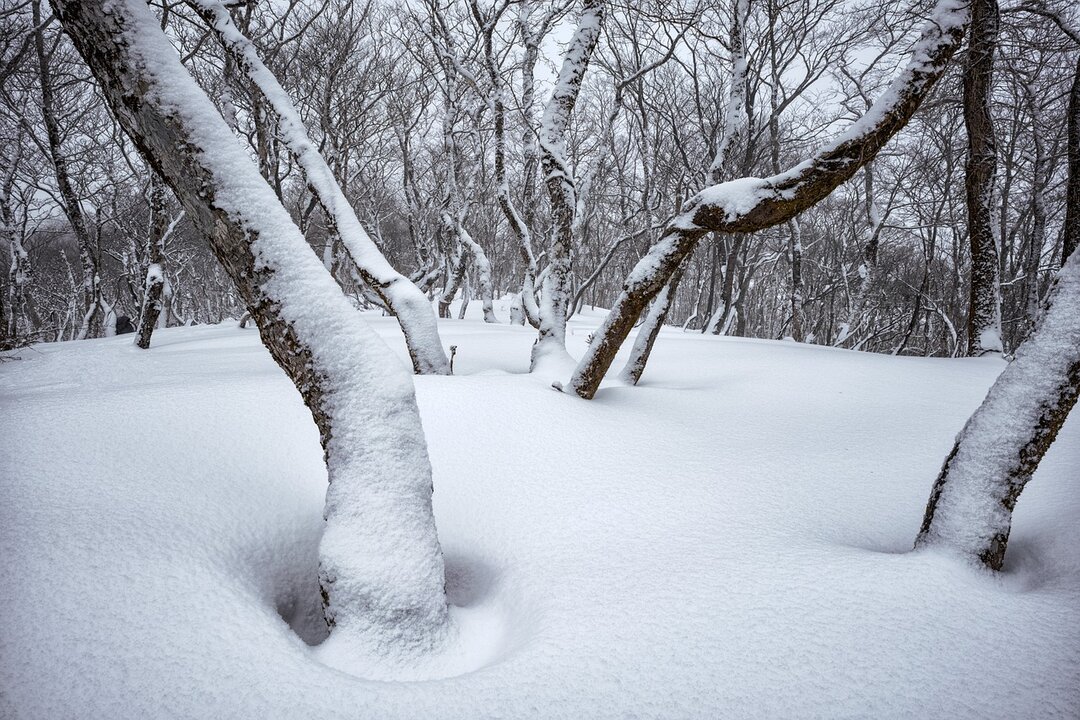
(483, 274)
(735, 118)
(751, 204)
(401, 297)
(984, 305)
(381, 567)
(91, 322)
(971, 504)
(654, 320)
(1072, 202)
(154, 284)
(22, 316)
(558, 178)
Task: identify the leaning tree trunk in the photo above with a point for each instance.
(971, 505)
(395, 291)
(381, 568)
(984, 304)
(751, 204)
(647, 333)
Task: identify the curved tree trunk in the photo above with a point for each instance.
(381, 568)
(750, 204)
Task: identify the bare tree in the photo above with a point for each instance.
(403, 298)
(381, 568)
(752, 204)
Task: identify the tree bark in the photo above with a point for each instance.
(1072, 194)
(984, 304)
(381, 568)
(395, 291)
(751, 204)
(155, 273)
(972, 501)
(642, 349)
(558, 179)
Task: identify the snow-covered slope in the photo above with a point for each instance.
(728, 539)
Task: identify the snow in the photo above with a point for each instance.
(727, 539)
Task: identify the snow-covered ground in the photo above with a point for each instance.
(728, 539)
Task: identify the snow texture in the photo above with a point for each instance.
(727, 539)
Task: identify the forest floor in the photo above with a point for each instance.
(729, 539)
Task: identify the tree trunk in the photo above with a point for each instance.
(401, 297)
(381, 568)
(91, 324)
(647, 333)
(155, 273)
(984, 305)
(971, 504)
(1072, 195)
(559, 180)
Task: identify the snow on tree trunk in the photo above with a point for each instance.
(407, 303)
(751, 204)
(984, 306)
(455, 274)
(483, 274)
(381, 568)
(22, 317)
(154, 284)
(559, 181)
(518, 226)
(654, 320)
(971, 504)
(735, 119)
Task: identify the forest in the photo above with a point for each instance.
(770, 294)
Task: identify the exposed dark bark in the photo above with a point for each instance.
(984, 304)
(1072, 206)
(778, 198)
(155, 278)
(650, 329)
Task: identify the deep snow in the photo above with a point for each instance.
(728, 539)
